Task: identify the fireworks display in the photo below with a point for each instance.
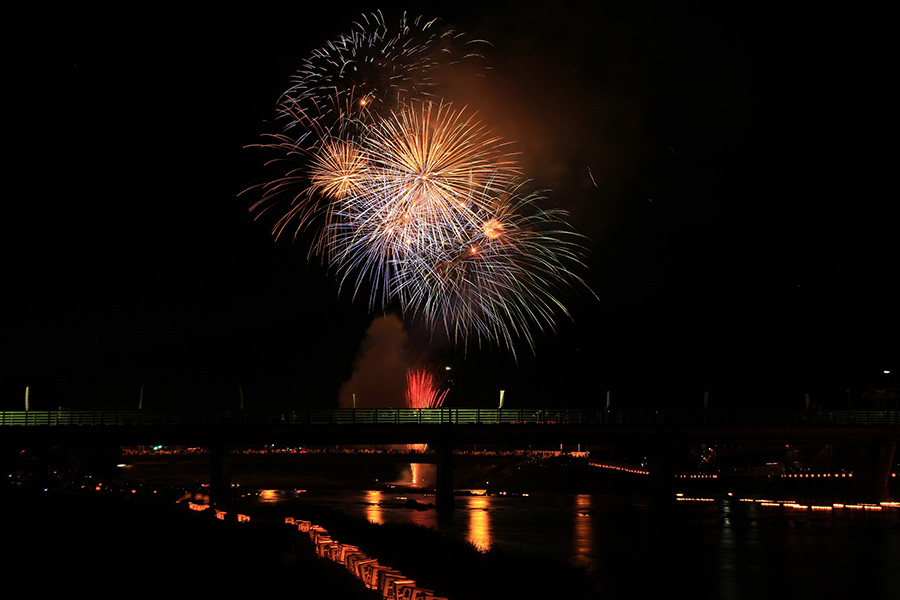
(421, 390)
(411, 200)
(373, 70)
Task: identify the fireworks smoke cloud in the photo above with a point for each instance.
(379, 372)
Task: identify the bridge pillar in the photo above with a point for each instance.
(220, 476)
(661, 465)
(443, 497)
(872, 470)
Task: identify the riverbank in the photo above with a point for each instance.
(116, 541)
(452, 567)
(120, 536)
(62, 542)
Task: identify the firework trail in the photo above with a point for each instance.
(421, 391)
(500, 282)
(425, 163)
(428, 171)
(366, 74)
(411, 200)
(336, 96)
(360, 73)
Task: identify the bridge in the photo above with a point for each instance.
(874, 433)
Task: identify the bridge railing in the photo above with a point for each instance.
(459, 416)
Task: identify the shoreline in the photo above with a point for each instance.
(121, 535)
(63, 539)
(118, 540)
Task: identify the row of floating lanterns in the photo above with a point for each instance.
(816, 475)
(791, 504)
(388, 582)
(220, 514)
(826, 475)
(623, 468)
(640, 471)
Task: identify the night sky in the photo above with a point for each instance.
(729, 167)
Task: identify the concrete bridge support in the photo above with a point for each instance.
(661, 465)
(444, 498)
(871, 470)
(219, 477)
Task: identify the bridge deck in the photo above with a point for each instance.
(444, 426)
(457, 416)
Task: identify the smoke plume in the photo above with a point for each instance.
(379, 373)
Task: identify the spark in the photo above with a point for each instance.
(493, 229)
(421, 390)
(411, 200)
(594, 181)
(501, 288)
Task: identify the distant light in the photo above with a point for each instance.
(887, 371)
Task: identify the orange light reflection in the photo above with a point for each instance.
(584, 532)
(373, 507)
(479, 523)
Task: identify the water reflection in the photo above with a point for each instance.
(727, 549)
(269, 496)
(479, 523)
(423, 518)
(727, 555)
(583, 542)
(374, 512)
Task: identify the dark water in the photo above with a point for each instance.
(724, 548)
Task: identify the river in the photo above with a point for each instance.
(722, 547)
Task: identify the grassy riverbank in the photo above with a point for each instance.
(115, 543)
(63, 542)
(451, 567)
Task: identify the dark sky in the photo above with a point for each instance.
(740, 216)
